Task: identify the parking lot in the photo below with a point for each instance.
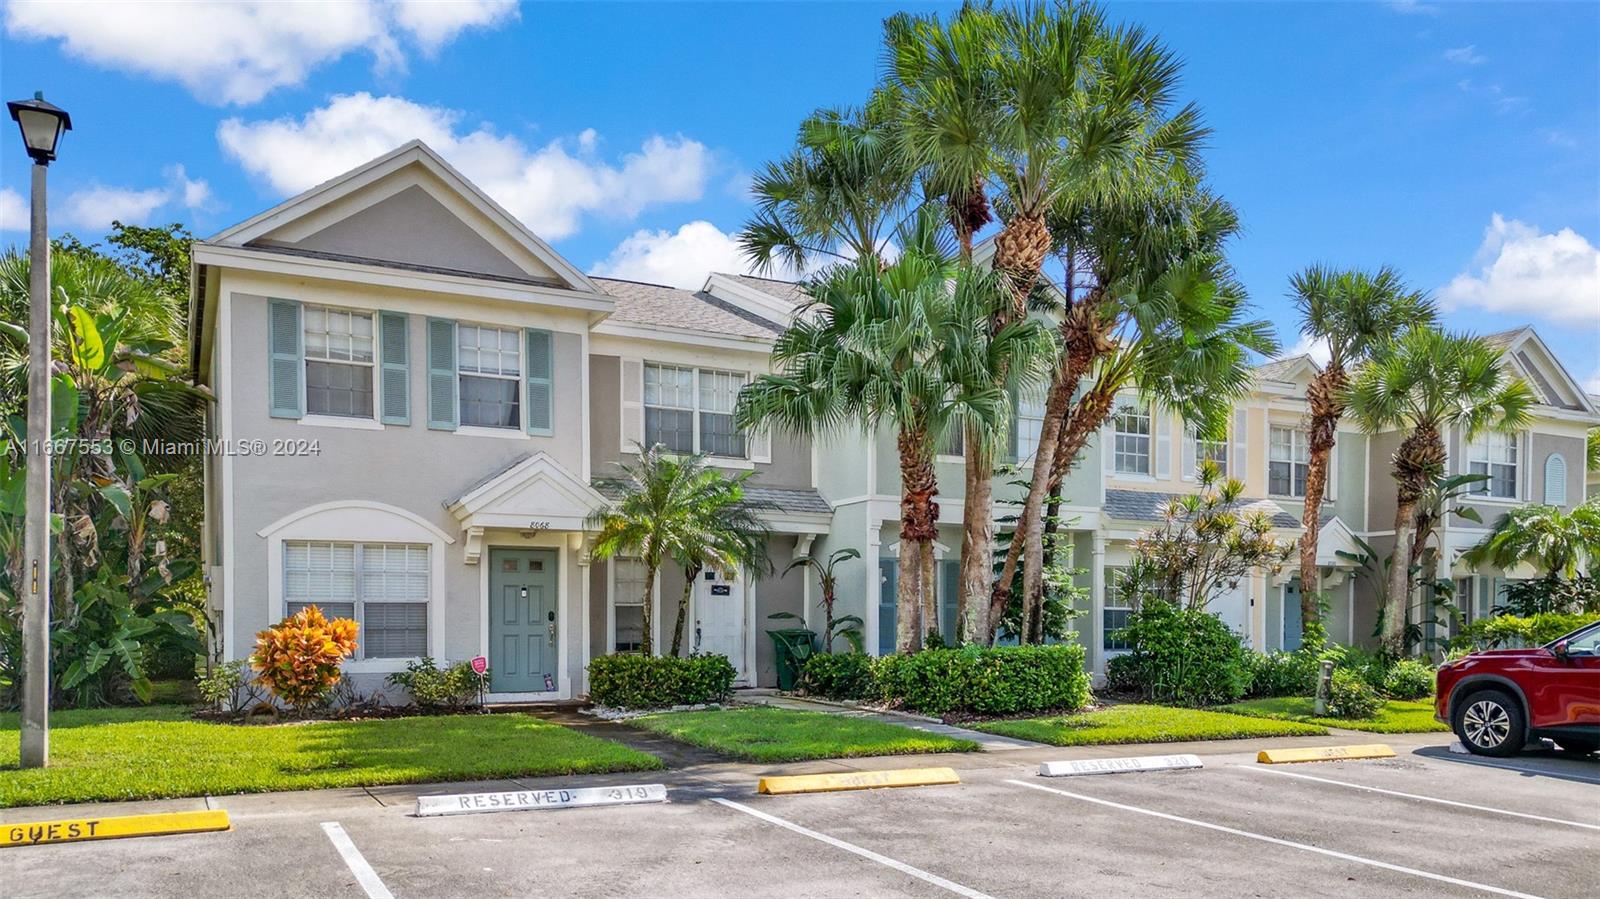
(1426, 823)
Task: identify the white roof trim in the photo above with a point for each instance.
(353, 504)
(750, 299)
(567, 504)
(1525, 334)
(690, 336)
(414, 151)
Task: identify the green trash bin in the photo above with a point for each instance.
(793, 645)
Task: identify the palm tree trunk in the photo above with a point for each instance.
(1417, 463)
(647, 645)
(689, 575)
(1399, 593)
(1326, 407)
(919, 526)
(1031, 522)
(977, 541)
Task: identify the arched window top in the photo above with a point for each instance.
(1555, 480)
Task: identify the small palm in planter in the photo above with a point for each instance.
(846, 626)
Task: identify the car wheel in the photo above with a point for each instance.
(1490, 722)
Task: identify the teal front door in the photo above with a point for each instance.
(523, 631)
(1292, 624)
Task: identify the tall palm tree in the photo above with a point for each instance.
(676, 508)
(1427, 382)
(1028, 106)
(1351, 311)
(1558, 542)
(906, 346)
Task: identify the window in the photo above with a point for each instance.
(383, 586)
(954, 442)
(1213, 451)
(489, 361)
(1495, 455)
(1030, 421)
(686, 419)
(338, 362)
(1289, 461)
(627, 599)
(1115, 613)
(1131, 441)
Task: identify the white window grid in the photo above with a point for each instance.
(700, 391)
(342, 578)
(1214, 451)
(489, 351)
(1131, 439)
(1289, 453)
(1030, 421)
(1494, 454)
(338, 335)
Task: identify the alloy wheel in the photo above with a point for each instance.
(1487, 723)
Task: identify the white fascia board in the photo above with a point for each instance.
(248, 259)
(689, 336)
(796, 522)
(749, 299)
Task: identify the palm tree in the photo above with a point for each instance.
(906, 346)
(1028, 106)
(1351, 311)
(675, 508)
(848, 626)
(1558, 542)
(1426, 383)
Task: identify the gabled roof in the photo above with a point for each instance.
(1533, 359)
(657, 305)
(1146, 505)
(792, 292)
(786, 500)
(534, 488)
(1287, 368)
(261, 227)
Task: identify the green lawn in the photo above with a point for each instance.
(784, 735)
(1143, 724)
(1397, 716)
(158, 751)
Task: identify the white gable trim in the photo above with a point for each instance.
(360, 177)
(750, 299)
(347, 506)
(1551, 368)
(535, 494)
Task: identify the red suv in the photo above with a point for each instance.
(1498, 699)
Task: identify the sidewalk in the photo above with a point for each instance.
(987, 742)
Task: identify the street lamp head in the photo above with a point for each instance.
(42, 124)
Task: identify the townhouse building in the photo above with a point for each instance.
(419, 403)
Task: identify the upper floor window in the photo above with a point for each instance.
(489, 361)
(1131, 439)
(688, 410)
(338, 359)
(382, 586)
(1495, 455)
(1030, 421)
(1213, 451)
(1289, 461)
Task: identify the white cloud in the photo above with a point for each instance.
(240, 50)
(550, 188)
(1317, 348)
(1520, 269)
(1593, 384)
(680, 258)
(94, 208)
(1468, 55)
(14, 213)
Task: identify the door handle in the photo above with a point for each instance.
(552, 630)
(697, 635)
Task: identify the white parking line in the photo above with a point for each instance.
(902, 867)
(357, 863)
(1276, 841)
(1481, 808)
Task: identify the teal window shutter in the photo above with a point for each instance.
(541, 396)
(394, 357)
(286, 369)
(442, 412)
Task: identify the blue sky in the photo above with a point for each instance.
(1458, 142)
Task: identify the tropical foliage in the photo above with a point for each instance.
(847, 626)
(1557, 542)
(298, 658)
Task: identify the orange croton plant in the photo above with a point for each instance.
(298, 658)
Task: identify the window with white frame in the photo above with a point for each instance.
(489, 363)
(1115, 613)
(1288, 462)
(1213, 451)
(338, 351)
(1130, 448)
(689, 410)
(627, 601)
(383, 586)
(1494, 454)
(1030, 421)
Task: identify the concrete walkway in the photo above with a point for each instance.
(987, 742)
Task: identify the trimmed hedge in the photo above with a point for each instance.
(657, 682)
(1514, 631)
(845, 675)
(1408, 679)
(1351, 697)
(1281, 673)
(1002, 680)
(1180, 656)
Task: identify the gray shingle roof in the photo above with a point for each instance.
(790, 500)
(656, 304)
(1278, 368)
(791, 291)
(1145, 505)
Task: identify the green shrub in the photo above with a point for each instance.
(1351, 697)
(1511, 630)
(988, 681)
(1408, 679)
(655, 682)
(845, 675)
(1282, 673)
(1181, 656)
(431, 687)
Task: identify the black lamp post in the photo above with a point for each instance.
(42, 125)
